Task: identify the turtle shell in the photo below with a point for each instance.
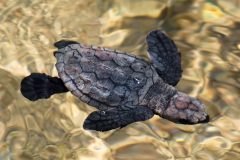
(103, 76)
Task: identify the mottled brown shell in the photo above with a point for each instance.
(102, 77)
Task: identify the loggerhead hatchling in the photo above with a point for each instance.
(124, 88)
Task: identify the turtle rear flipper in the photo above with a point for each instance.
(165, 57)
(38, 86)
(111, 119)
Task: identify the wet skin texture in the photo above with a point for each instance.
(124, 88)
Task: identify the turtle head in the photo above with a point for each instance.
(185, 110)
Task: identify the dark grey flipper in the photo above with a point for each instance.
(111, 119)
(165, 57)
(63, 43)
(39, 85)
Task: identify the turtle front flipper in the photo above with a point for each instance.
(115, 118)
(63, 43)
(39, 85)
(165, 57)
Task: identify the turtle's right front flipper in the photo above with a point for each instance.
(115, 118)
(63, 43)
(165, 57)
(39, 86)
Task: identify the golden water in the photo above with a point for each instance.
(207, 33)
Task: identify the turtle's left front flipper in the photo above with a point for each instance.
(39, 85)
(115, 118)
(165, 56)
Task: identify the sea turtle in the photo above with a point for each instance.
(124, 88)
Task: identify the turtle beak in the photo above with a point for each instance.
(206, 120)
(184, 121)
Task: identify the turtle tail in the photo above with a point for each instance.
(39, 86)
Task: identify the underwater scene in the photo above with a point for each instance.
(206, 32)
